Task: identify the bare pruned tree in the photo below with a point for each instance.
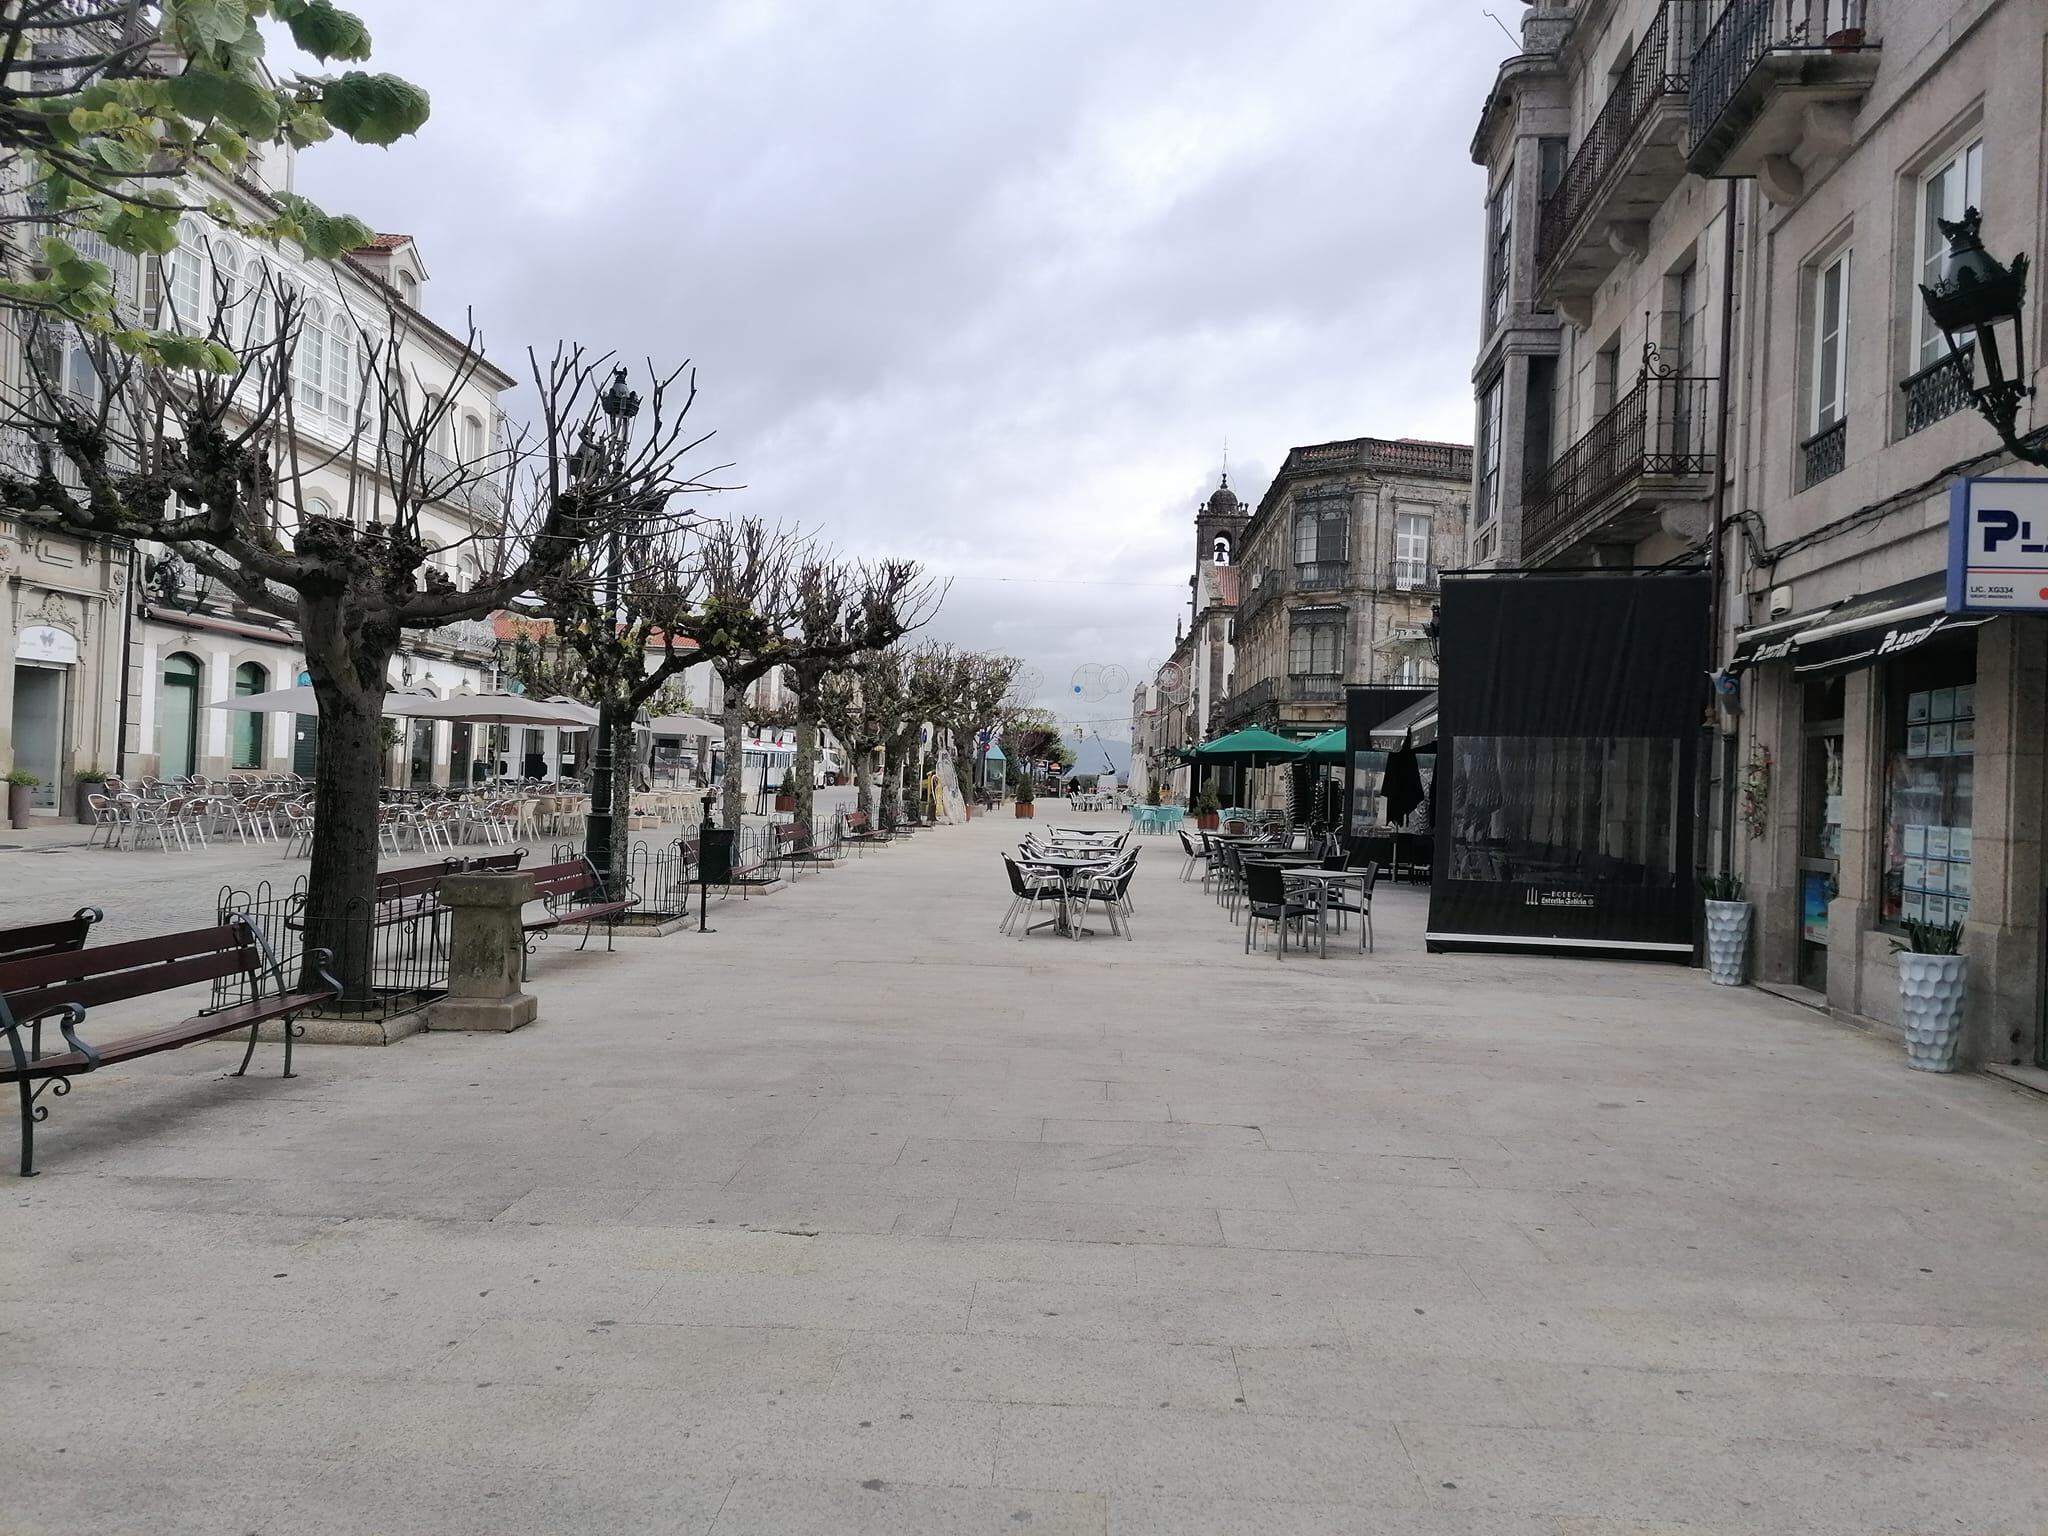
(844, 610)
(864, 707)
(213, 466)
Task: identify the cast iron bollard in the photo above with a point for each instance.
(484, 951)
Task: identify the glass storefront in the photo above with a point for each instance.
(1930, 758)
(1565, 813)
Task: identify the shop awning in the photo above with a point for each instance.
(1416, 722)
(1857, 632)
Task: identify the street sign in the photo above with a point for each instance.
(1998, 545)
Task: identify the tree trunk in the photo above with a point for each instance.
(892, 782)
(622, 788)
(863, 764)
(341, 883)
(735, 753)
(806, 765)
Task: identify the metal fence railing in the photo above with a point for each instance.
(1747, 30)
(1664, 426)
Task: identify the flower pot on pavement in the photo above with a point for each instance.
(785, 802)
(1727, 942)
(1024, 810)
(1208, 821)
(19, 797)
(1931, 992)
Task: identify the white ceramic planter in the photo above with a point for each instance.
(1931, 989)
(1727, 942)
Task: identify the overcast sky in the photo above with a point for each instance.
(985, 284)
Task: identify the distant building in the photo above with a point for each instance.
(1337, 576)
(1171, 710)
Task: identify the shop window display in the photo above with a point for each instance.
(1931, 736)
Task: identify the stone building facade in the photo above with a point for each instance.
(1172, 710)
(1745, 193)
(1337, 577)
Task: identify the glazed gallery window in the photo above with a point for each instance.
(1321, 533)
(1488, 499)
(1565, 811)
(1930, 747)
(1411, 548)
(1944, 192)
(1315, 644)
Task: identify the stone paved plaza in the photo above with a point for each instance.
(856, 1217)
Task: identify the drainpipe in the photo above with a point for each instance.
(129, 599)
(1717, 565)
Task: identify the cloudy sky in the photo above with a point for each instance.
(989, 284)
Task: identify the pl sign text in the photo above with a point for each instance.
(1998, 546)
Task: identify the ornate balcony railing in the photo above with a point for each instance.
(1320, 575)
(1748, 30)
(1315, 688)
(1824, 455)
(1246, 704)
(1938, 390)
(1660, 68)
(1664, 426)
(1447, 459)
(1413, 575)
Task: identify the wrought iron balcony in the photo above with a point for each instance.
(1758, 73)
(1413, 576)
(1824, 455)
(1250, 702)
(1257, 598)
(1629, 162)
(1655, 445)
(1938, 390)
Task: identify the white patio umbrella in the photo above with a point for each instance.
(496, 709)
(303, 701)
(585, 715)
(683, 725)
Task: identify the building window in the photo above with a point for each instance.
(310, 360)
(1930, 746)
(1315, 643)
(188, 282)
(1411, 549)
(1500, 243)
(1486, 498)
(178, 717)
(409, 289)
(1320, 536)
(1825, 449)
(249, 678)
(1957, 183)
(1413, 672)
(341, 352)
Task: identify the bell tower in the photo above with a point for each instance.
(1219, 524)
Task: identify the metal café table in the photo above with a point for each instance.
(1068, 864)
(1326, 880)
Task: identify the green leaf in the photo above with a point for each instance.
(206, 94)
(151, 232)
(117, 155)
(375, 109)
(197, 26)
(193, 352)
(327, 32)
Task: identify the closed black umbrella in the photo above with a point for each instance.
(1403, 782)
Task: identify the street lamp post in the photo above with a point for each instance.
(1974, 297)
(619, 404)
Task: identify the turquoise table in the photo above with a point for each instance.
(1156, 820)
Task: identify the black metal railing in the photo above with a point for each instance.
(1272, 582)
(1747, 30)
(1940, 389)
(1661, 427)
(1413, 575)
(1659, 69)
(1247, 702)
(391, 957)
(1824, 455)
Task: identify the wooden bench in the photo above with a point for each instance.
(57, 938)
(795, 847)
(575, 895)
(857, 828)
(61, 989)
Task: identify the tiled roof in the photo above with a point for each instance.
(386, 242)
(1223, 585)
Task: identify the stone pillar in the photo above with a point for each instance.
(1853, 914)
(484, 953)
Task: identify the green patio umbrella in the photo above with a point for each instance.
(1330, 747)
(1246, 747)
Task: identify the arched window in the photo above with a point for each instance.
(178, 717)
(472, 436)
(256, 299)
(409, 289)
(310, 361)
(1219, 551)
(341, 354)
(248, 745)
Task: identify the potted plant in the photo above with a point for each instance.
(1208, 808)
(1727, 929)
(785, 792)
(1933, 977)
(89, 781)
(1026, 794)
(21, 788)
(1153, 797)
(1845, 40)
